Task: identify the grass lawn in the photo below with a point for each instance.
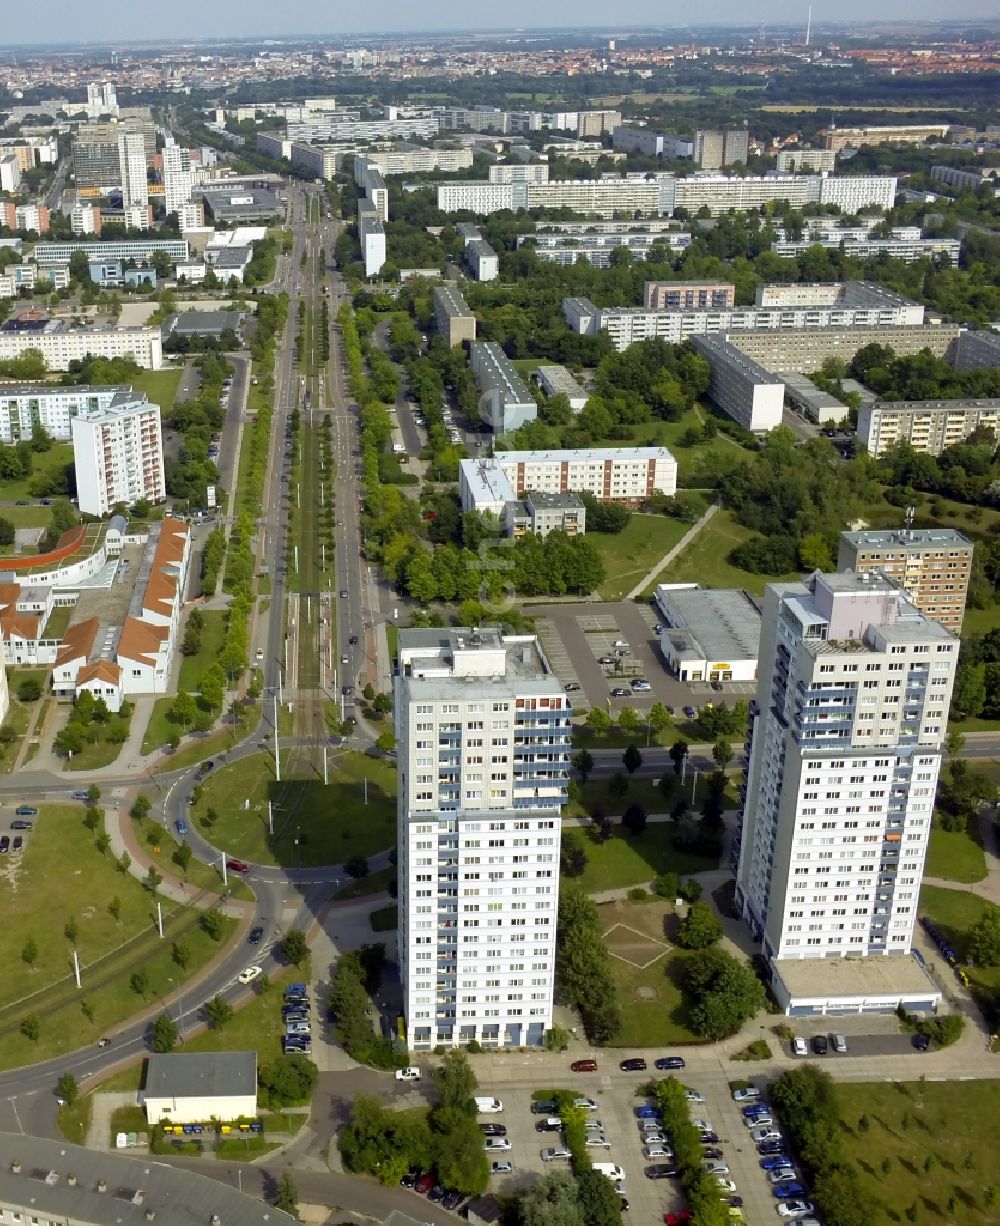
(58, 457)
(159, 729)
(256, 1027)
(55, 627)
(332, 823)
(923, 1151)
(630, 554)
(981, 621)
(213, 636)
(626, 861)
(101, 752)
(74, 1122)
(955, 912)
(653, 1006)
(642, 790)
(374, 883)
(35, 516)
(385, 919)
(160, 386)
(955, 856)
(200, 748)
(62, 876)
(18, 717)
(614, 738)
(704, 560)
(202, 876)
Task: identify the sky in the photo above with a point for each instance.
(68, 20)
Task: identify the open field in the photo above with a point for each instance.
(18, 717)
(705, 559)
(630, 554)
(627, 860)
(924, 1151)
(330, 824)
(955, 856)
(653, 1008)
(160, 386)
(38, 972)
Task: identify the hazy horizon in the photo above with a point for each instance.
(249, 19)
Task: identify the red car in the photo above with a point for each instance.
(424, 1183)
(677, 1219)
(237, 866)
(584, 1066)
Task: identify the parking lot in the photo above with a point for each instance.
(575, 637)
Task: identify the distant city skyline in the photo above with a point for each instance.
(260, 18)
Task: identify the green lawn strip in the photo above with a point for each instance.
(955, 856)
(627, 861)
(160, 386)
(33, 516)
(125, 1080)
(955, 912)
(614, 738)
(374, 883)
(643, 790)
(629, 555)
(705, 559)
(45, 463)
(197, 749)
(213, 636)
(200, 876)
(332, 823)
(257, 1026)
(74, 1122)
(61, 849)
(58, 622)
(17, 720)
(160, 728)
(925, 1144)
(244, 1148)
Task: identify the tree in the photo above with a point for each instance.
(287, 1196)
(163, 1036)
(618, 785)
(123, 863)
(572, 856)
(461, 1161)
(628, 719)
(180, 954)
(139, 982)
(67, 1089)
(294, 948)
(700, 928)
(456, 1084)
(598, 720)
(183, 709)
(288, 1080)
(31, 1027)
(632, 759)
(726, 993)
(182, 857)
(968, 695)
(552, 1200)
(115, 908)
(583, 763)
(70, 930)
(213, 923)
(218, 1011)
(658, 718)
(634, 820)
(29, 690)
(984, 939)
(153, 880)
(356, 866)
(678, 752)
(93, 793)
(722, 753)
(599, 1202)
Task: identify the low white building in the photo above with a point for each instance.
(557, 381)
(834, 987)
(709, 634)
(198, 1087)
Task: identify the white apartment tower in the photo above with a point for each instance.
(177, 177)
(483, 730)
(118, 455)
(845, 745)
(132, 158)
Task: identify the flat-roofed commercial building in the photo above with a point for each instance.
(927, 425)
(453, 319)
(506, 402)
(688, 295)
(557, 381)
(932, 565)
(750, 395)
(708, 634)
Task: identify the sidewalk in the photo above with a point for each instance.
(668, 557)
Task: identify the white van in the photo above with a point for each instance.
(611, 1169)
(488, 1106)
(399, 448)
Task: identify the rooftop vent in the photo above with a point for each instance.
(15, 1166)
(71, 1179)
(52, 1178)
(102, 1185)
(138, 1196)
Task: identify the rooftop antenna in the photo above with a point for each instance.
(809, 22)
(908, 521)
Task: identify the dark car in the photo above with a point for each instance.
(660, 1170)
(584, 1066)
(493, 1130)
(634, 1064)
(690, 712)
(84, 796)
(716, 685)
(665, 1062)
(25, 811)
(347, 690)
(452, 1200)
(620, 692)
(777, 1162)
(410, 1178)
(789, 1191)
(18, 842)
(820, 1044)
(22, 826)
(255, 935)
(4, 844)
(710, 1151)
(623, 1204)
(343, 593)
(770, 1147)
(353, 640)
(708, 1138)
(571, 687)
(181, 825)
(921, 1042)
(543, 1106)
(550, 1125)
(436, 1193)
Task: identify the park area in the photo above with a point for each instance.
(355, 815)
(626, 860)
(62, 893)
(924, 1151)
(630, 554)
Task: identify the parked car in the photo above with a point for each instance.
(654, 1137)
(585, 1104)
(819, 1044)
(496, 1168)
(635, 1064)
(646, 1112)
(453, 1199)
(660, 1170)
(620, 691)
(584, 1066)
(493, 1144)
(493, 1130)
(776, 1162)
(784, 1174)
(703, 1125)
(714, 1167)
(726, 1185)
(710, 1151)
(754, 1110)
(250, 974)
(693, 1096)
(765, 1133)
(749, 1094)
(424, 1183)
(571, 687)
(656, 1151)
(670, 1062)
(18, 843)
(758, 1121)
(920, 1041)
(789, 1191)
(20, 825)
(552, 1124)
(411, 1073)
(839, 1042)
(770, 1147)
(640, 685)
(543, 1106)
(708, 1138)
(690, 712)
(608, 660)
(4, 844)
(597, 1140)
(25, 811)
(795, 1208)
(550, 1155)
(410, 1178)
(799, 1047)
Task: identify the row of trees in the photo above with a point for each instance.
(583, 971)
(356, 977)
(700, 1188)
